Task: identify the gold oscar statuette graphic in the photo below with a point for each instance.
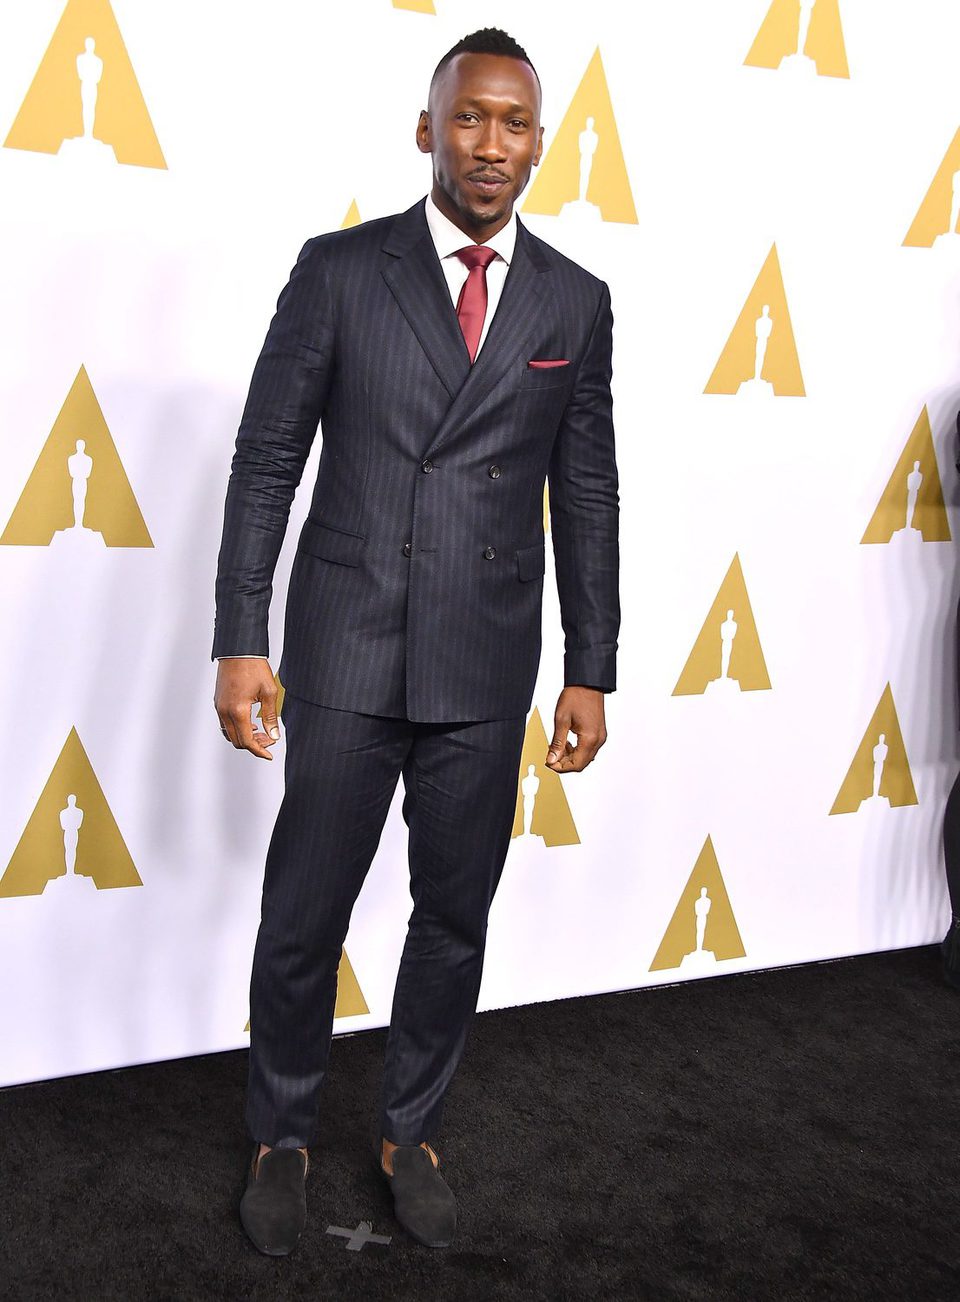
(71, 841)
(760, 358)
(542, 809)
(583, 174)
(703, 930)
(78, 493)
(415, 6)
(727, 657)
(937, 223)
(912, 508)
(880, 773)
(353, 216)
(802, 37)
(350, 1000)
(84, 101)
(546, 508)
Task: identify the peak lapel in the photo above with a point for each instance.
(416, 280)
(518, 311)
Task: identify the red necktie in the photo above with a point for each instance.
(472, 303)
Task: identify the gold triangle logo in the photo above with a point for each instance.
(938, 217)
(912, 506)
(584, 174)
(542, 808)
(804, 36)
(703, 930)
(71, 839)
(760, 355)
(727, 656)
(78, 492)
(85, 100)
(353, 216)
(350, 1000)
(415, 6)
(880, 772)
(546, 508)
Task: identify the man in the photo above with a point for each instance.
(454, 361)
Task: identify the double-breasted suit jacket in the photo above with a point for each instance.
(417, 583)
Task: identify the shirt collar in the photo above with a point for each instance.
(448, 238)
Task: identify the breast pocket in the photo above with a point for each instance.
(330, 544)
(534, 378)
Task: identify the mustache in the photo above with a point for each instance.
(489, 174)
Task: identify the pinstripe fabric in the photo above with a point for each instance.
(366, 341)
(341, 769)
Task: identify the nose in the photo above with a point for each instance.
(490, 146)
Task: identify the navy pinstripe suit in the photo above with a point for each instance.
(412, 626)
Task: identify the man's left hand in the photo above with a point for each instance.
(580, 711)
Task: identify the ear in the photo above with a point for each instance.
(538, 154)
(423, 133)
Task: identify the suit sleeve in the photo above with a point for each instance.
(279, 423)
(584, 516)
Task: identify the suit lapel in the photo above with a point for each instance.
(520, 307)
(416, 280)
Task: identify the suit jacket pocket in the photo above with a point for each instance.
(531, 561)
(330, 544)
(545, 377)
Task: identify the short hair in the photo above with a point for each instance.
(487, 40)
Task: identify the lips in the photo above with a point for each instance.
(487, 184)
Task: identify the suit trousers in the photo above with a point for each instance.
(341, 770)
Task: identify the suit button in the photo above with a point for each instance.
(489, 552)
(408, 549)
(426, 466)
(494, 472)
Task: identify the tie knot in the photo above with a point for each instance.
(477, 255)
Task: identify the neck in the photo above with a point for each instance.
(478, 233)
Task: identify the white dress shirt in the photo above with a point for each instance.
(447, 239)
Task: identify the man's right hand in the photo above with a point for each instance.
(241, 681)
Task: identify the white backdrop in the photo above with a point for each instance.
(160, 283)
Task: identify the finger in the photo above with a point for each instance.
(268, 711)
(260, 743)
(261, 738)
(561, 726)
(583, 753)
(557, 765)
(241, 719)
(228, 730)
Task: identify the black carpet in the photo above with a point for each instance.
(787, 1134)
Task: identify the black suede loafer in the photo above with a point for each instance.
(273, 1209)
(422, 1200)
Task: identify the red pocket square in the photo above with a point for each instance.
(542, 365)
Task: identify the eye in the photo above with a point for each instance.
(466, 117)
(517, 124)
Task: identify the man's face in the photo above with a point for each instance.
(482, 127)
